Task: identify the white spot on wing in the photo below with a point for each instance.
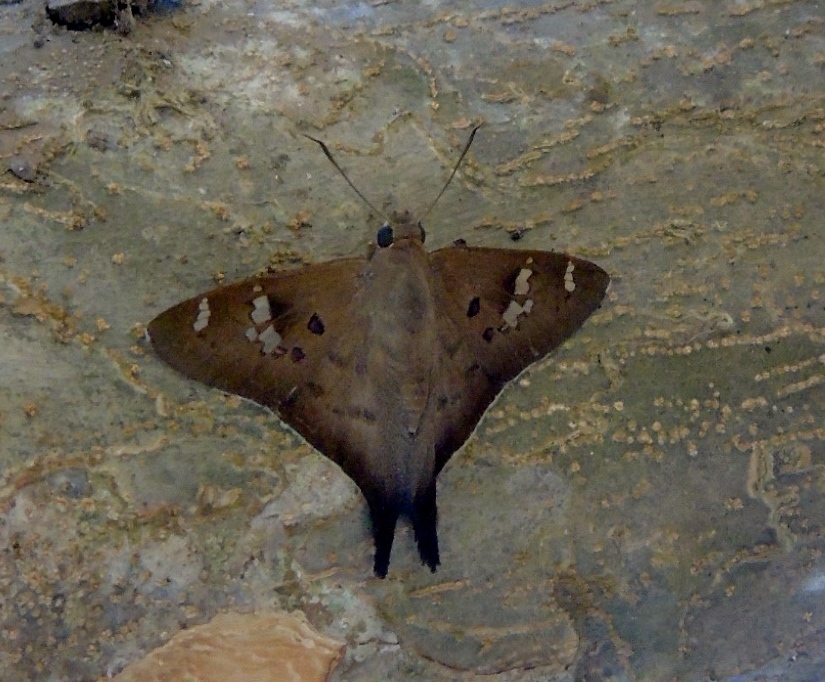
(514, 311)
(511, 314)
(203, 316)
(569, 284)
(251, 334)
(261, 313)
(522, 286)
(257, 289)
(269, 339)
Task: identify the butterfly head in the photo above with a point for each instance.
(401, 226)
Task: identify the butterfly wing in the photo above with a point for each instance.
(302, 343)
(279, 340)
(500, 310)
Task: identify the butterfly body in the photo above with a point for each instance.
(385, 364)
(387, 436)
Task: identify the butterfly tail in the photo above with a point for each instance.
(384, 517)
(425, 519)
(423, 513)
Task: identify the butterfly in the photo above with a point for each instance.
(386, 363)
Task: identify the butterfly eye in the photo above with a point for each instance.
(384, 236)
(423, 233)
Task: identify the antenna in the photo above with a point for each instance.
(328, 154)
(455, 168)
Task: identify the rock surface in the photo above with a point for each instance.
(645, 504)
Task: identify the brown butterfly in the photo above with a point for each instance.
(385, 364)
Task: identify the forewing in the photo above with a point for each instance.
(286, 341)
(500, 310)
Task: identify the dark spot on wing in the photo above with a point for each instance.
(487, 334)
(510, 282)
(472, 368)
(474, 307)
(354, 412)
(276, 307)
(451, 347)
(461, 243)
(336, 359)
(297, 354)
(442, 402)
(315, 390)
(316, 324)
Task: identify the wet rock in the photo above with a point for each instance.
(256, 647)
(23, 168)
(80, 15)
(101, 141)
(73, 482)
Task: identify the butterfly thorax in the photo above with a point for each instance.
(405, 226)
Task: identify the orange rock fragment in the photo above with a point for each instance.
(253, 647)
